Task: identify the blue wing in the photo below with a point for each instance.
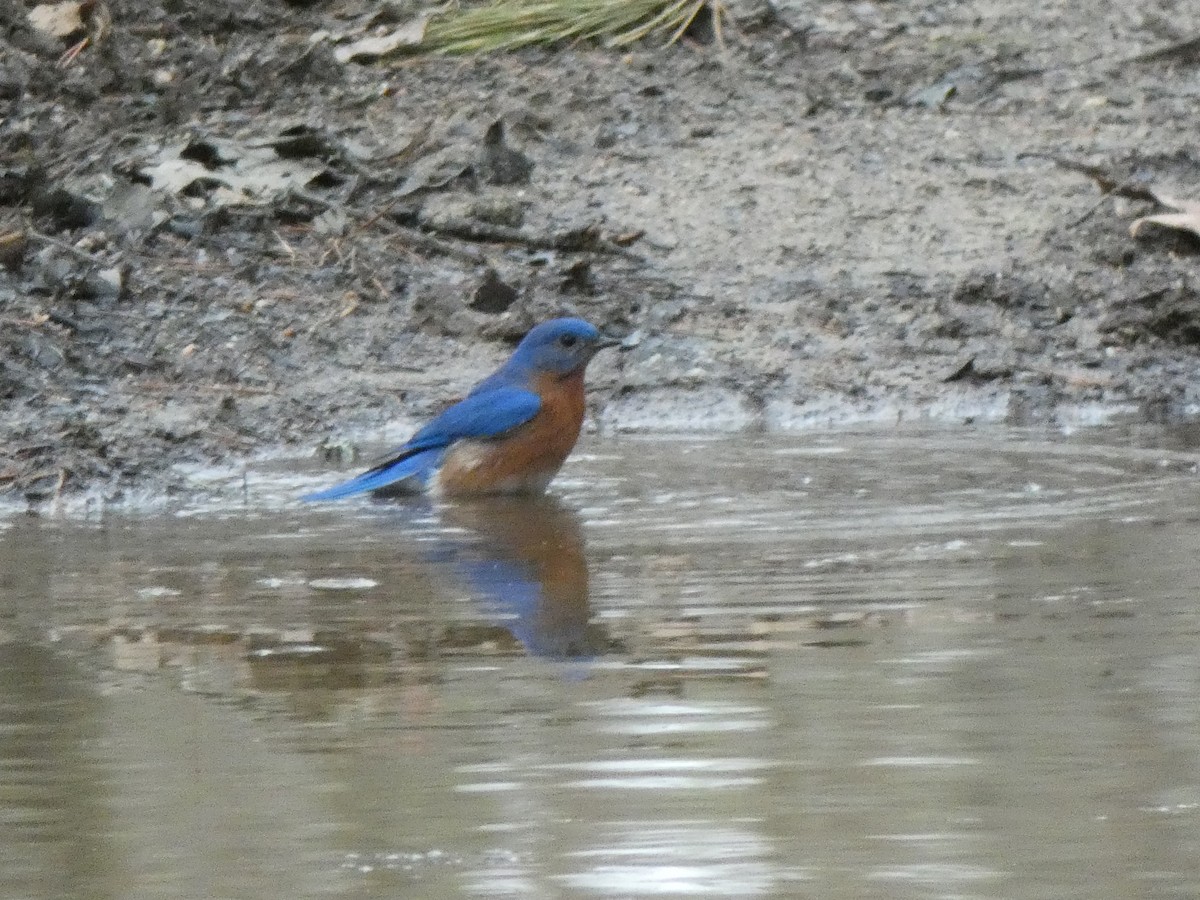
(481, 415)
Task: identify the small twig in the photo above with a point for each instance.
(19, 480)
(72, 52)
(1124, 189)
(383, 292)
(367, 223)
(320, 202)
(287, 248)
(430, 244)
(58, 485)
(1109, 184)
(1105, 180)
(577, 240)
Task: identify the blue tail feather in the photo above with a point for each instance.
(418, 465)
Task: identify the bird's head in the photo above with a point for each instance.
(560, 346)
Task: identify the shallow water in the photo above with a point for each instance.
(846, 665)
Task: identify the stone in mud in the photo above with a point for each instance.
(493, 295)
(498, 162)
(1168, 315)
(64, 210)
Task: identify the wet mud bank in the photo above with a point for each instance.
(218, 239)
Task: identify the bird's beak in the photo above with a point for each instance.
(607, 341)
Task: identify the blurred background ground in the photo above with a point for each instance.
(220, 235)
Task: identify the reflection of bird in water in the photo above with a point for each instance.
(527, 558)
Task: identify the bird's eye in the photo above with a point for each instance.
(568, 340)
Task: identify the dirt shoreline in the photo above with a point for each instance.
(216, 239)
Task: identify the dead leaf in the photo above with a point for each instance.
(1186, 219)
(371, 48)
(227, 173)
(60, 20)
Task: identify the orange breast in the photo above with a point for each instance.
(527, 458)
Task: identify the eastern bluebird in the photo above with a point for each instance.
(510, 435)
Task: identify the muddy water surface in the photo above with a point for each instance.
(848, 665)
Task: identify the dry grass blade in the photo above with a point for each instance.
(510, 24)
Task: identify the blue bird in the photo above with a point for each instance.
(509, 435)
